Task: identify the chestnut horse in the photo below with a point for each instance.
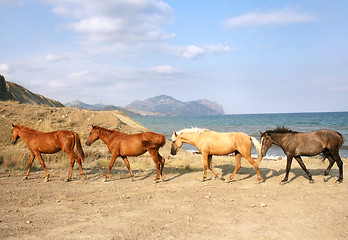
(50, 142)
(211, 143)
(297, 144)
(124, 145)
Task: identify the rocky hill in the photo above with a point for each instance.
(10, 91)
(99, 107)
(168, 106)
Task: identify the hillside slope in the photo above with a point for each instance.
(10, 91)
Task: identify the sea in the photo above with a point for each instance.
(252, 124)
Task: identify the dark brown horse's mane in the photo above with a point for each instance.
(280, 130)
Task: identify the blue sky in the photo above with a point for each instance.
(249, 56)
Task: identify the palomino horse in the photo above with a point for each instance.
(123, 144)
(297, 144)
(50, 142)
(211, 143)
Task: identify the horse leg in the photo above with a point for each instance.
(112, 161)
(31, 159)
(162, 161)
(288, 166)
(73, 158)
(125, 160)
(210, 165)
(303, 166)
(38, 155)
(238, 158)
(253, 163)
(72, 162)
(205, 165)
(339, 162)
(154, 154)
(331, 163)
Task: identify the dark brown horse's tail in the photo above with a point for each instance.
(155, 141)
(79, 147)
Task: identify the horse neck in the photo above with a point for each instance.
(279, 138)
(190, 138)
(106, 135)
(24, 134)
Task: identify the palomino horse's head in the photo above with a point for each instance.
(93, 135)
(266, 142)
(15, 133)
(176, 143)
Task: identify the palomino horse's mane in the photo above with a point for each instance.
(197, 131)
(281, 130)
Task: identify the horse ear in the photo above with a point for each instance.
(13, 125)
(260, 132)
(174, 133)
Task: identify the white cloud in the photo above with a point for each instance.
(276, 17)
(53, 57)
(127, 21)
(192, 51)
(219, 48)
(5, 68)
(166, 70)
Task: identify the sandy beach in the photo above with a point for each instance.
(182, 207)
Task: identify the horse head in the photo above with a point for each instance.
(93, 135)
(266, 142)
(15, 133)
(176, 143)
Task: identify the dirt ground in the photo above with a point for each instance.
(182, 207)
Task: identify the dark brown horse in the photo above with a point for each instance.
(122, 144)
(50, 142)
(297, 144)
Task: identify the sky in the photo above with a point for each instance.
(250, 56)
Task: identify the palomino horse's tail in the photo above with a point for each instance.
(79, 147)
(258, 148)
(156, 141)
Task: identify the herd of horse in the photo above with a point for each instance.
(208, 142)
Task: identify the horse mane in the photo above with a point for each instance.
(26, 128)
(195, 130)
(104, 131)
(280, 130)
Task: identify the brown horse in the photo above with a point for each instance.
(211, 143)
(297, 144)
(124, 145)
(50, 142)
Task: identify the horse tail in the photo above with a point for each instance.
(340, 140)
(156, 141)
(79, 147)
(258, 148)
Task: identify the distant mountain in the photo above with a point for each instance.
(98, 107)
(10, 91)
(168, 106)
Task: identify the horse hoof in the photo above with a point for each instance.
(283, 182)
(131, 179)
(326, 178)
(46, 180)
(227, 181)
(105, 180)
(25, 178)
(311, 181)
(338, 181)
(67, 179)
